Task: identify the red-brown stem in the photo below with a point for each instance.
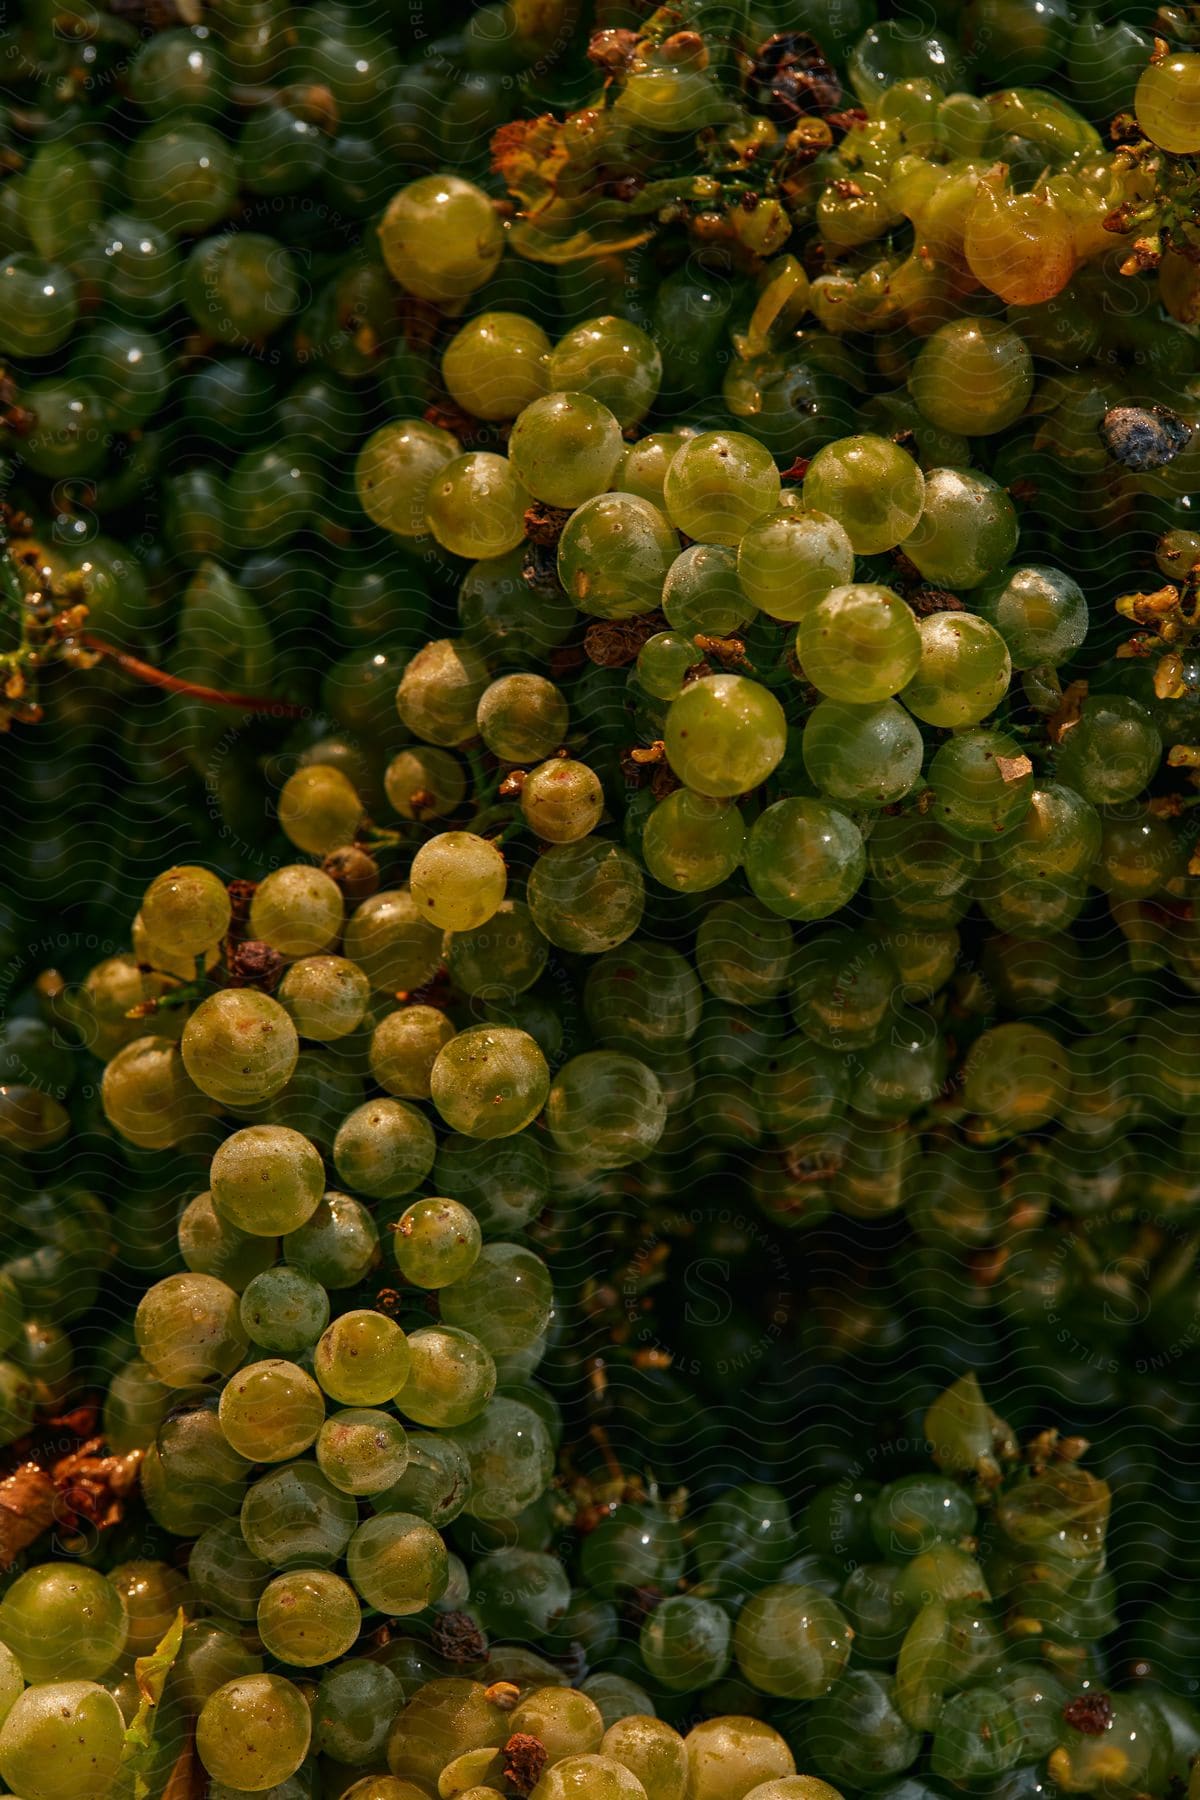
(175, 684)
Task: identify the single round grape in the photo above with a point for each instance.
(614, 554)
(505, 1300)
(685, 1643)
(363, 1451)
(788, 561)
(718, 484)
(498, 960)
(225, 1573)
(972, 376)
(606, 1109)
(522, 718)
(240, 287)
(586, 897)
(562, 800)
(967, 529)
(451, 1378)
(398, 1563)
(490, 1081)
(1167, 103)
(186, 910)
(319, 809)
(563, 1720)
(271, 1411)
(355, 1705)
(440, 691)
(63, 1622)
(1139, 853)
(871, 487)
(982, 784)
(298, 910)
(389, 938)
(181, 176)
(804, 859)
(510, 1457)
(862, 755)
(361, 1359)
(743, 952)
(663, 663)
(384, 1149)
(653, 1751)
(293, 1517)
(1041, 613)
(324, 996)
(458, 880)
(496, 365)
(964, 671)
(859, 644)
(149, 1096)
(436, 1482)
(284, 1310)
(503, 1182)
(614, 361)
(39, 303)
(404, 1048)
(1016, 1077)
(725, 734)
(266, 1179)
(441, 238)
(588, 1778)
(424, 783)
(1058, 836)
(692, 842)
(308, 1617)
(62, 1739)
(1111, 752)
(565, 448)
(642, 469)
(435, 1242)
(254, 1731)
(189, 1329)
(179, 71)
(395, 470)
(702, 592)
(791, 1641)
(475, 506)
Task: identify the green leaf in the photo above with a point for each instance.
(151, 1672)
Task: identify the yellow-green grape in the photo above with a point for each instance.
(972, 376)
(562, 801)
(156, 956)
(859, 644)
(663, 663)
(186, 910)
(254, 1731)
(62, 1739)
(862, 755)
(692, 842)
(424, 783)
(1041, 613)
(398, 1563)
(586, 897)
(606, 1109)
(1167, 103)
(319, 809)
(588, 1778)
(614, 361)
(967, 529)
(324, 996)
(496, 365)
(718, 484)
(210, 1245)
(789, 560)
(982, 784)
(439, 691)
(100, 1007)
(63, 1622)
(441, 238)
(188, 1329)
(435, 1242)
(498, 960)
(804, 859)
(725, 734)
(442, 1720)
(964, 671)
(565, 448)
(451, 1378)
(702, 593)
(307, 1617)
(390, 939)
(362, 1450)
(239, 1047)
(384, 1149)
(793, 1642)
(614, 554)
(361, 1359)
(522, 718)
(505, 1300)
(642, 469)
(271, 1411)
(404, 1047)
(395, 469)
(458, 880)
(1017, 1077)
(653, 1751)
(266, 1179)
(871, 487)
(564, 1721)
(476, 506)
(149, 1096)
(152, 1593)
(794, 1787)
(298, 910)
(490, 1081)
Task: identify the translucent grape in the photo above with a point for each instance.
(324, 996)
(586, 897)
(398, 1563)
(319, 809)
(424, 783)
(435, 1242)
(38, 305)
(859, 644)
(685, 1643)
(390, 939)
(593, 1777)
(871, 487)
(791, 1641)
(692, 842)
(606, 1109)
(271, 1411)
(451, 1378)
(963, 673)
(395, 470)
(404, 1047)
(972, 376)
(725, 734)
(1111, 752)
(967, 529)
(440, 691)
(458, 880)
(475, 506)
(189, 1329)
(495, 365)
(362, 1450)
(498, 960)
(441, 238)
(702, 593)
(505, 1300)
(862, 755)
(266, 1179)
(1041, 613)
(384, 1149)
(1167, 103)
(743, 952)
(490, 1081)
(562, 800)
(63, 1622)
(62, 1739)
(510, 1457)
(298, 910)
(565, 448)
(284, 1310)
(186, 910)
(788, 561)
(308, 1617)
(361, 1359)
(614, 554)
(982, 784)
(614, 361)
(522, 718)
(804, 859)
(149, 1096)
(718, 484)
(254, 1731)
(642, 469)
(663, 662)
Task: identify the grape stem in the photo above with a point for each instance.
(176, 684)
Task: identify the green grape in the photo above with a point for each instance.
(239, 1047)
(279, 152)
(324, 996)
(1167, 103)
(68, 437)
(134, 1407)
(663, 662)
(804, 859)
(586, 897)
(802, 1088)
(398, 1563)
(424, 783)
(856, 1734)
(384, 1149)
(62, 1739)
(982, 783)
(685, 1643)
(565, 448)
(405, 1043)
(871, 487)
(179, 72)
(653, 1751)
(718, 484)
(1040, 613)
(475, 506)
(181, 177)
(1138, 855)
(1016, 1078)
(614, 555)
(510, 1458)
(39, 303)
(562, 800)
(356, 1703)
(606, 1109)
(505, 1300)
(293, 1517)
(240, 287)
(643, 467)
(791, 1641)
(254, 1729)
(440, 692)
(451, 1378)
(458, 880)
(266, 1179)
(284, 1310)
(436, 1481)
(225, 1573)
(126, 369)
(562, 1719)
(788, 561)
(361, 1359)
(494, 961)
(792, 403)
(967, 529)
(441, 238)
(744, 1751)
(522, 718)
(395, 471)
(271, 493)
(1059, 835)
(337, 1244)
(972, 376)
(963, 672)
(436, 1242)
(496, 365)
(397, 948)
(209, 1245)
(271, 1411)
(319, 809)
(862, 755)
(308, 1617)
(702, 593)
(63, 1622)
(298, 910)
(490, 1081)
(189, 1329)
(497, 620)
(743, 952)
(724, 735)
(503, 1182)
(644, 998)
(141, 267)
(613, 361)
(362, 1450)
(1111, 752)
(692, 842)
(859, 644)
